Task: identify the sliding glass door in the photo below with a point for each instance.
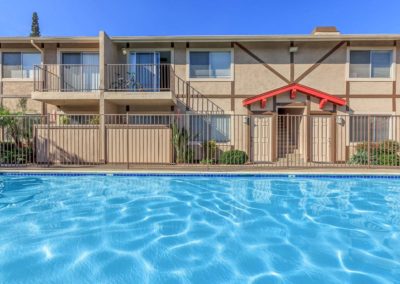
(145, 71)
(80, 72)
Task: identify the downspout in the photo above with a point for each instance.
(38, 48)
(44, 108)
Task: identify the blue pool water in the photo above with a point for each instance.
(177, 229)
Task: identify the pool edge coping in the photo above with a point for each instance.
(111, 172)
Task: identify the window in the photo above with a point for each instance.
(210, 127)
(210, 64)
(378, 128)
(370, 64)
(19, 64)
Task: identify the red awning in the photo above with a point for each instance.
(293, 89)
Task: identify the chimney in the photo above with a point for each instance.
(325, 31)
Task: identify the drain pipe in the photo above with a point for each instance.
(44, 106)
(38, 48)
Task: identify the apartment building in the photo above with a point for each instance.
(324, 75)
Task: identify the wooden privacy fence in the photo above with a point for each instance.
(283, 141)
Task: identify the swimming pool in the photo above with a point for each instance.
(199, 229)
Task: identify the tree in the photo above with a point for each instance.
(35, 29)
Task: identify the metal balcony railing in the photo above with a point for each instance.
(138, 77)
(66, 78)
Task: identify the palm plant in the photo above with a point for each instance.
(180, 141)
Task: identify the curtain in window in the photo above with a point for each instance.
(220, 64)
(90, 71)
(199, 64)
(359, 64)
(71, 72)
(381, 63)
(145, 71)
(210, 127)
(378, 128)
(12, 65)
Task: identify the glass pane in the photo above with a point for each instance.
(199, 64)
(71, 71)
(220, 64)
(28, 61)
(358, 128)
(379, 128)
(381, 63)
(359, 64)
(12, 65)
(71, 58)
(90, 71)
(220, 128)
(145, 77)
(198, 125)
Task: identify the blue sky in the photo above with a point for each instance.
(198, 17)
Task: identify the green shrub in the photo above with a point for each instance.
(389, 147)
(14, 155)
(64, 120)
(209, 152)
(234, 157)
(94, 120)
(360, 157)
(381, 154)
(387, 160)
(208, 161)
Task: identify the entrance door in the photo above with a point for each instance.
(290, 134)
(262, 138)
(321, 140)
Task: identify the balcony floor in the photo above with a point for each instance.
(141, 98)
(67, 98)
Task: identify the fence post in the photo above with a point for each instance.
(48, 140)
(368, 142)
(187, 96)
(127, 141)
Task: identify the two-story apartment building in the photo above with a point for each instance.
(323, 74)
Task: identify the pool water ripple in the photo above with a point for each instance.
(166, 229)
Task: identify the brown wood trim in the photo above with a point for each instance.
(308, 105)
(316, 112)
(347, 95)
(394, 86)
(274, 104)
(322, 59)
(239, 96)
(259, 60)
(232, 95)
(291, 63)
(297, 104)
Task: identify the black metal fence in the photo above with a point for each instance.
(245, 141)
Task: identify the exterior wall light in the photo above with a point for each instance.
(124, 52)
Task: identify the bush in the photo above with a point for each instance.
(208, 161)
(14, 155)
(381, 154)
(209, 152)
(359, 158)
(64, 120)
(234, 157)
(389, 147)
(387, 160)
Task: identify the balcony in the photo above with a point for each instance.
(61, 84)
(140, 83)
